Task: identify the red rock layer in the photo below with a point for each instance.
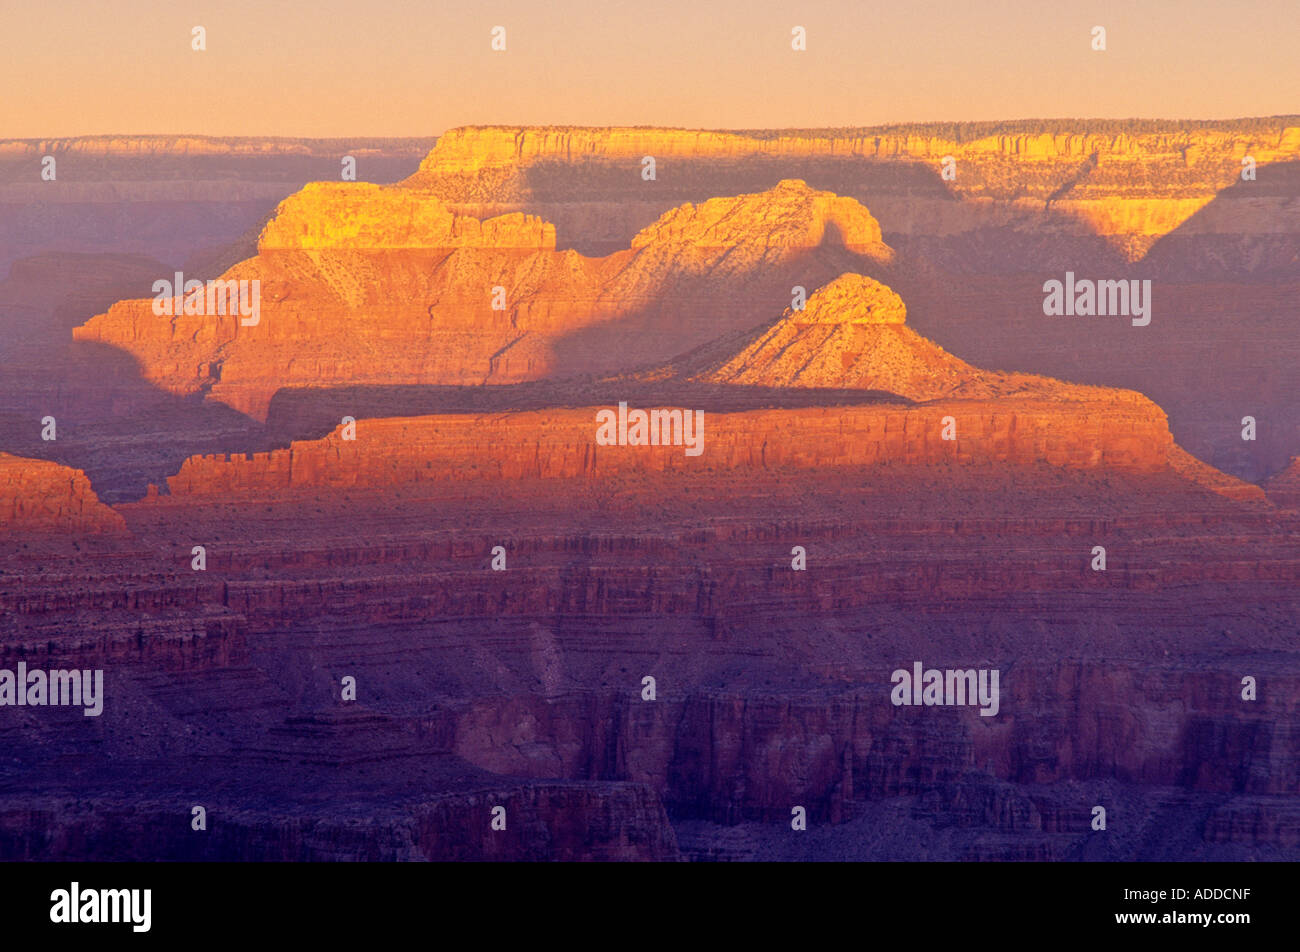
(773, 683)
(40, 496)
(1124, 432)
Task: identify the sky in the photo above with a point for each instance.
(408, 68)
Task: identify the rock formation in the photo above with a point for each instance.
(39, 496)
(850, 334)
(1028, 201)
(1021, 203)
(362, 284)
(1121, 435)
(1086, 176)
(335, 216)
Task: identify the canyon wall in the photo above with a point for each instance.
(1123, 433)
(523, 687)
(360, 284)
(1130, 187)
(38, 496)
(478, 147)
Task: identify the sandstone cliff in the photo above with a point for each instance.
(362, 284)
(38, 496)
(1130, 187)
(1121, 432)
(337, 216)
(790, 215)
(473, 148)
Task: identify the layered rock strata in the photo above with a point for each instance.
(361, 284)
(40, 496)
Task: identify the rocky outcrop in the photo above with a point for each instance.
(852, 299)
(473, 148)
(40, 496)
(1122, 433)
(337, 216)
(790, 215)
(369, 285)
(850, 334)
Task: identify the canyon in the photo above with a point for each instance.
(479, 687)
(499, 587)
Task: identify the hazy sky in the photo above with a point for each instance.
(417, 67)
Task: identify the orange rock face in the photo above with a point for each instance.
(850, 334)
(1125, 433)
(1011, 174)
(39, 496)
(337, 216)
(362, 284)
(478, 147)
(791, 215)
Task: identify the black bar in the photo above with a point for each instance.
(949, 901)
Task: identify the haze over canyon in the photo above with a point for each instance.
(366, 568)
